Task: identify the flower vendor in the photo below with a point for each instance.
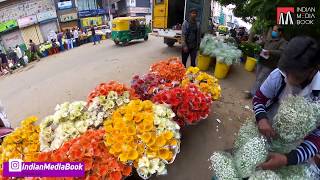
(298, 75)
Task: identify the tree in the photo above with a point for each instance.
(262, 14)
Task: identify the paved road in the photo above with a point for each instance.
(71, 75)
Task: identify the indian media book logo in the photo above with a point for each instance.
(296, 15)
(18, 168)
(285, 15)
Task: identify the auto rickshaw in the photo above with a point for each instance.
(126, 29)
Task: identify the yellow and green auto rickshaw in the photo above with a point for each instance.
(126, 29)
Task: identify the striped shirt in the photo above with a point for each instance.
(269, 92)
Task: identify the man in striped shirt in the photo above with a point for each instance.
(298, 74)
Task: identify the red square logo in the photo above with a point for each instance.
(285, 15)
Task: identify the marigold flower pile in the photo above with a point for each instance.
(119, 128)
(90, 149)
(23, 143)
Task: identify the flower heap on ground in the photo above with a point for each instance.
(69, 121)
(205, 82)
(150, 84)
(22, 143)
(104, 88)
(144, 134)
(90, 149)
(188, 103)
(171, 70)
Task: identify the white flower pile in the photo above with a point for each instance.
(147, 167)
(103, 107)
(216, 47)
(246, 132)
(69, 121)
(264, 175)
(223, 166)
(163, 120)
(280, 146)
(296, 172)
(250, 155)
(296, 118)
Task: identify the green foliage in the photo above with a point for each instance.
(250, 49)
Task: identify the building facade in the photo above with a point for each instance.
(134, 8)
(22, 20)
(67, 14)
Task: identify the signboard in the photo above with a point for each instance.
(8, 25)
(92, 12)
(89, 21)
(68, 17)
(65, 5)
(139, 10)
(27, 21)
(47, 15)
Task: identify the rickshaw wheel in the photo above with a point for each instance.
(146, 38)
(117, 42)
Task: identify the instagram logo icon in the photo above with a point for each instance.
(15, 165)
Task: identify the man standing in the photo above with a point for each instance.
(190, 38)
(93, 32)
(60, 36)
(33, 50)
(69, 39)
(4, 61)
(269, 59)
(19, 55)
(76, 36)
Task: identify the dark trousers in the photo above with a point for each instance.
(193, 56)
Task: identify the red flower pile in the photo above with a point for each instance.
(90, 149)
(189, 103)
(170, 70)
(148, 85)
(103, 89)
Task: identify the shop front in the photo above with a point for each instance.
(95, 17)
(68, 21)
(30, 29)
(48, 24)
(10, 35)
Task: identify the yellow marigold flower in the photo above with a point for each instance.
(160, 141)
(165, 153)
(29, 120)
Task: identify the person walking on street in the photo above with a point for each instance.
(4, 62)
(33, 50)
(69, 39)
(190, 38)
(93, 33)
(76, 36)
(266, 64)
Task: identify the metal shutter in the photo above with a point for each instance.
(46, 28)
(32, 32)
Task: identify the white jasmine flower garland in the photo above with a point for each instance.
(264, 175)
(223, 166)
(250, 155)
(296, 118)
